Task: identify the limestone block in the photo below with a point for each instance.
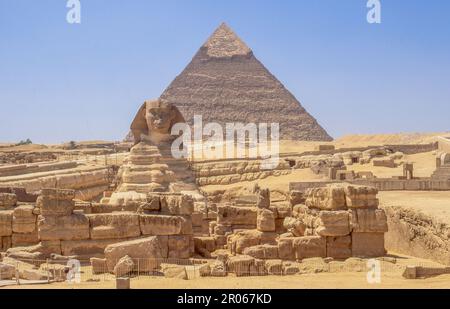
(222, 229)
(296, 197)
(368, 244)
(124, 267)
(155, 225)
(177, 204)
(263, 198)
(54, 202)
(290, 268)
(218, 269)
(369, 221)
(7, 272)
(258, 268)
(174, 271)
(23, 240)
(155, 247)
(197, 219)
(286, 248)
(339, 247)
(6, 222)
(205, 243)
(240, 265)
(274, 267)
(7, 201)
(244, 239)
(310, 247)
(265, 220)
(282, 211)
(295, 226)
(221, 241)
(86, 248)
(50, 246)
(263, 252)
(186, 225)
(24, 221)
(179, 246)
(98, 266)
(73, 227)
(331, 197)
(34, 274)
(231, 215)
(333, 223)
(114, 225)
(361, 197)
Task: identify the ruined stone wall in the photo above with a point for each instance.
(35, 168)
(54, 226)
(416, 234)
(88, 183)
(382, 184)
(234, 171)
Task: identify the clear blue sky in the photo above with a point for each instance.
(61, 82)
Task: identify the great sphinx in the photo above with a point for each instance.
(150, 166)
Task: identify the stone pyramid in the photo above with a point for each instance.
(226, 83)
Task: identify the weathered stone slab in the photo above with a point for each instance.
(115, 225)
(286, 248)
(24, 220)
(361, 197)
(240, 265)
(180, 246)
(6, 222)
(155, 247)
(98, 266)
(339, 247)
(22, 240)
(369, 221)
(177, 204)
(263, 252)
(86, 248)
(368, 244)
(155, 225)
(310, 247)
(331, 197)
(54, 202)
(7, 201)
(333, 223)
(265, 220)
(74, 227)
(295, 226)
(230, 215)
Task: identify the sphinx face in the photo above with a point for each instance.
(159, 118)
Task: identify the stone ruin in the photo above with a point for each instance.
(157, 217)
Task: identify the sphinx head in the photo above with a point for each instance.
(160, 116)
(155, 119)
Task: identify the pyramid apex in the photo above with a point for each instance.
(224, 43)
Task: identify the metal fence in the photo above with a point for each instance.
(85, 271)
